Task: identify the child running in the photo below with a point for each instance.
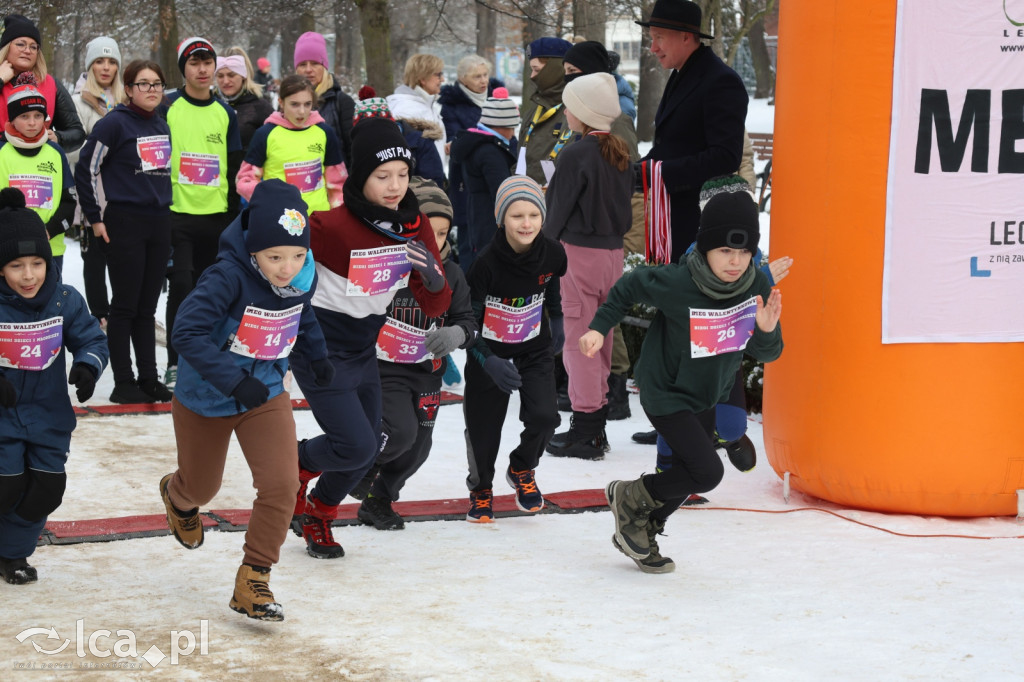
(516, 300)
(412, 351)
(712, 306)
(234, 332)
(367, 249)
(297, 146)
(40, 317)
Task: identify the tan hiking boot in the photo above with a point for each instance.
(253, 596)
(631, 506)
(186, 526)
(653, 562)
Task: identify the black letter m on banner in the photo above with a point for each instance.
(977, 114)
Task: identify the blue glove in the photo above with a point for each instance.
(8, 394)
(84, 379)
(251, 392)
(424, 263)
(503, 373)
(557, 334)
(323, 371)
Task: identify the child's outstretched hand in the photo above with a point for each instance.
(768, 314)
(83, 377)
(591, 343)
(780, 268)
(424, 263)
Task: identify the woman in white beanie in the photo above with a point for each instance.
(589, 211)
(97, 91)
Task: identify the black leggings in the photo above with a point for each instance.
(137, 261)
(194, 241)
(696, 466)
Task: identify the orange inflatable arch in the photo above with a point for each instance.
(922, 428)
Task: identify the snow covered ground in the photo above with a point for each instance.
(764, 590)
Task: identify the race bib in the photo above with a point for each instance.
(506, 324)
(308, 176)
(199, 169)
(713, 332)
(377, 271)
(401, 343)
(267, 334)
(154, 152)
(38, 190)
(31, 346)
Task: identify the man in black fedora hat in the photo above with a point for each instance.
(698, 129)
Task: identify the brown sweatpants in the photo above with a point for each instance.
(267, 438)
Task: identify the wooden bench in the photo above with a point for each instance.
(763, 144)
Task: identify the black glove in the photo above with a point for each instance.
(503, 373)
(424, 263)
(557, 334)
(251, 392)
(638, 176)
(323, 370)
(8, 396)
(443, 341)
(84, 379)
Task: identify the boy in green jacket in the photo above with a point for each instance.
(719, 301)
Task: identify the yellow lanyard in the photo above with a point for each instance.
(538, 118)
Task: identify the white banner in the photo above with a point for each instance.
(954, 230)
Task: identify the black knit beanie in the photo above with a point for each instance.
(375, 141)
(22, 232)
(589, 56)
(730, 220)
(276, 216)
(17, 26)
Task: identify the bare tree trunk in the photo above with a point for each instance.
(348, 47)
(590, 19)
(762, 61)
(486, 32)
(48, 29)
(167, 37)
(376, 30)
(652, 85)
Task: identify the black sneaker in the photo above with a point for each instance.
(156, 390)
(17, 571)
(129, 393)
(592, 448)
(646, 437)
(742, 453)
(528, 496)
(377, 512)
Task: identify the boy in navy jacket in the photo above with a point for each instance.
(234, 333)
(39, 317)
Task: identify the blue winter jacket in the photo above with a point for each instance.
(208, 371)
(627, 100)
(44, 406)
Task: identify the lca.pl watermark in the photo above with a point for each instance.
(125, 648)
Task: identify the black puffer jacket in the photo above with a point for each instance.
(338, 109)
(252, 112)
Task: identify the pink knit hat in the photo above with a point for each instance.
(311, 47)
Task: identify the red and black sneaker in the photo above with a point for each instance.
(316, 530)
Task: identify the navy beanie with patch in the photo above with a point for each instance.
(276, 216)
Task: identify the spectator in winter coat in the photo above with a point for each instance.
(22, 63)
(33, 164)
(419, 136)
(591, 56)
(544, 132)
(36, 419)
(416, 97)
(97, 92)
(130, 148)
(337, 108)
(461, 103)
(243, 94)
(263, 77)
(486, 153)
